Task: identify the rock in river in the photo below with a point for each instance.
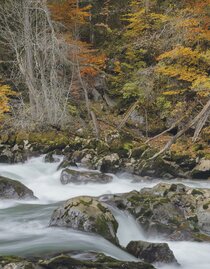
(67, 262)
(202, 170)
(83, 177)
(86, 214)
(151, 252)
(12, 189)
(176, 211)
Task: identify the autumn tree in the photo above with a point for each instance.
(87, 62)
(164, 59)
(187, 65)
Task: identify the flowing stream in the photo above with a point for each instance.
(24, 227)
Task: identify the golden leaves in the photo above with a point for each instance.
(5, 93)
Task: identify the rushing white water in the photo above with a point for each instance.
(24, 225)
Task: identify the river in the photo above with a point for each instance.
(24, 227)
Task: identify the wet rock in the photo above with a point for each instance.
(50, 158)
(100, 262)
(202, 170)
(12, 154)
(62, 261)
(12, 262)
(175, 211)
(86, 214)
(12, 189)
(109, 163)
(84, 157)
(65, 163)
(83, 177)
(158, 168)
(151, 252)
(6, 157)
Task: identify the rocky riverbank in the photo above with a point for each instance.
(171, 211)
(114, 153)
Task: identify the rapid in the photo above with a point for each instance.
(24, 227)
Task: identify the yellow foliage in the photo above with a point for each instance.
(181, 53)
(141, 21)
(186, 64)
(5, 92)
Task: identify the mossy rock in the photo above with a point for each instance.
(51, 140)
(12, 189)
(4, 260)
(84, 177)
(87, 214)
(100, 262)
(152, 252)
(157, 168)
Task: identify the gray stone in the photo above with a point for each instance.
(83, 177)
(151, 252)
(202, 170)
(12, 189)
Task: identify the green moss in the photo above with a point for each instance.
(175, 221)
(206, 206)
(104, 229)
(86, 202)
(207, 156)
(4, 260)
(200, 237)
(196, 192)
(127, 145)
(50, 138)
(197, 147)
(102, 208)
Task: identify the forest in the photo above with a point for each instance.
(72, 63)
(104, 99)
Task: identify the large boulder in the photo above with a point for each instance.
(151, 252)
(12, 189)
(83, 177)
(86, 214)
(202, 170)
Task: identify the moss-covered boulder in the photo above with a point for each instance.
(86, 214)
(64, 261)
(12, 189)
(152, 252)
(83, 177)
(100, 262)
